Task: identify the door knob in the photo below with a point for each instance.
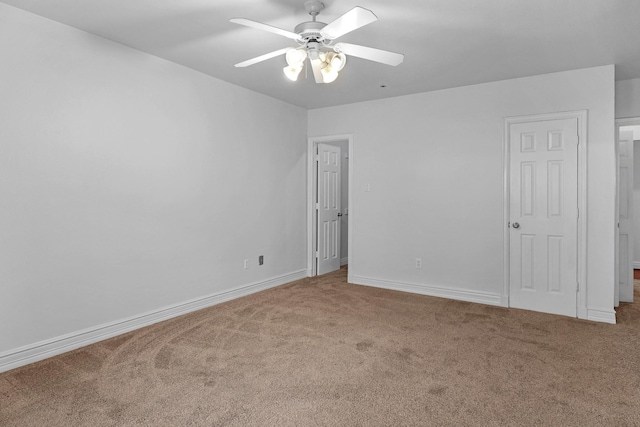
(516, 225)
(339, 213)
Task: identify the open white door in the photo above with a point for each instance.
(328, 208)
(544, 216)
(625, 217)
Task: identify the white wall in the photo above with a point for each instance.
(434, 164)
(628, 98)
(129, 184)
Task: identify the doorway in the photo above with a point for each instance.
(315, 235)
(545, 213)
(627, 208)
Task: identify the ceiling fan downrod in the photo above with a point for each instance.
(314, 7)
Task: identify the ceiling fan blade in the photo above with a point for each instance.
(377, 55)
(262, 58)
(316, 65)
(352, 20)
(265, 27)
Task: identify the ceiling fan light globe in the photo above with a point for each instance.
(292, 72)
(329, 75)
(295, 57)
(338, 61)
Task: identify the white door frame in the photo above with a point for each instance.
(312, 219)
(581, 116)
(631, 121)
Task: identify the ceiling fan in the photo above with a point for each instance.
(316, 41)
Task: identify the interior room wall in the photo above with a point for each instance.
(428, 183)
(129, 184)
(628, 98)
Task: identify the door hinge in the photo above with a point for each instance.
(317, 206)
(317, 254)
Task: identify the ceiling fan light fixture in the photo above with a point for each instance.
(316, 38)
(292, 71)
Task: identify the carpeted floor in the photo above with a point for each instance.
(322, 352)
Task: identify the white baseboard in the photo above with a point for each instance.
(44, 349)
(344, 261)
(440, 291)
(605, 316)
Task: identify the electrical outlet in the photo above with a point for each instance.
(246, 263)
(418, 262)
(261, 260)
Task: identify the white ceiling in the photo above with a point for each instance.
(446, 43)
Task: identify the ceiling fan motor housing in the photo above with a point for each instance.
(310, 31)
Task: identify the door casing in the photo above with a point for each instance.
(312, 144)
(581, 116)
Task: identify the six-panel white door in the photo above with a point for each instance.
(328, 208)
(543, 216)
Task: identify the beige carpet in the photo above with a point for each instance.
(322, 352)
